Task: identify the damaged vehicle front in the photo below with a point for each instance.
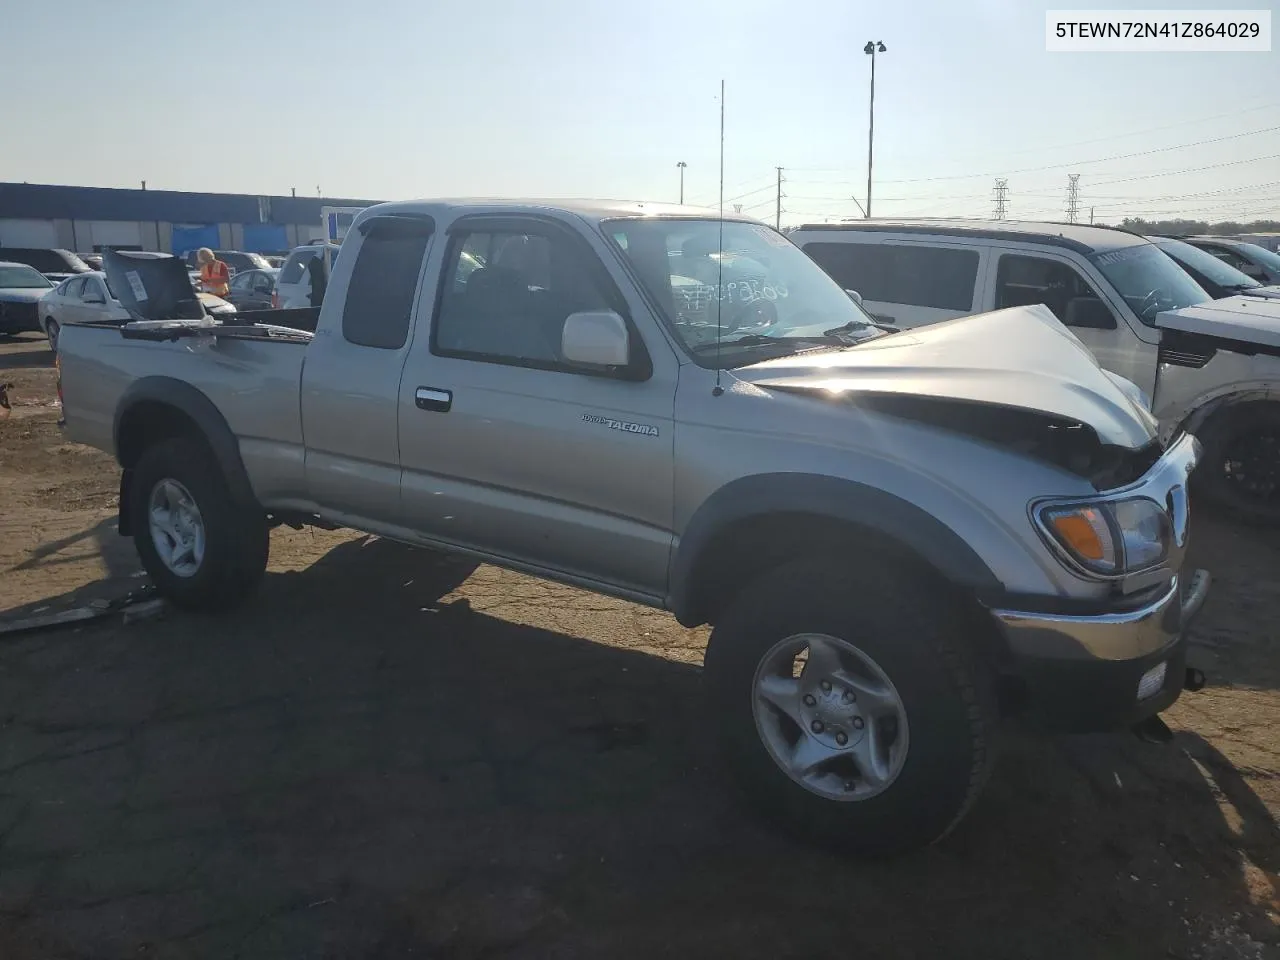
(986, 466)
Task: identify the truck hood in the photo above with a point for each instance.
(1014, 371)
(1246, 318)
(22, 294)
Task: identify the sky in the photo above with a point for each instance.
(391, 99)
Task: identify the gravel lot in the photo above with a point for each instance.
(388, 754)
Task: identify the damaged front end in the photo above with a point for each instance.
(1064, 442)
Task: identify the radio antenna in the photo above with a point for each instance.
(718, 390)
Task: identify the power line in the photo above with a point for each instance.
(1078, 163)
(1175, 173)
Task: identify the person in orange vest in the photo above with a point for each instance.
(215, 278)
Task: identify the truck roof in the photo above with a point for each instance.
(1088, 238)
(590, 210)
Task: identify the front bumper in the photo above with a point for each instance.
(1083, 673)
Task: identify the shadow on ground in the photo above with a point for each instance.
(352, 766)
(99, 542)
(28, 355)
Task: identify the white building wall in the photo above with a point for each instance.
(28, 233)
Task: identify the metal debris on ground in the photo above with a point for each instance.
(140, 604)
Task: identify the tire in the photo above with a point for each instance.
(51, 330)
(235, 541)
(1239, 469)
(947, 698)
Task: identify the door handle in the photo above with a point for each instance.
(429, 398)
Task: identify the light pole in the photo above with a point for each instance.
(682, 165)
(872, 48)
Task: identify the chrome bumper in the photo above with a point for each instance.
(1108, 636)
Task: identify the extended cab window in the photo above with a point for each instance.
(507, 294)
(1022, 281)
(918, 276)
(384, 281)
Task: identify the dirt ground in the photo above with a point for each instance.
(386, 754)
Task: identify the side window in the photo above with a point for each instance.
(508, 295)
(241, 281)
(1228, 256)
(92, 290)
(384, 281)
(291, 272)
(1022, 281)
(75, 287)
(942, 278)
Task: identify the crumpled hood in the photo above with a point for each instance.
(1020, 358)
(22, 294)
(1247, 318)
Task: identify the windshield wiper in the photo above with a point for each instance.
(859, 325)
(759, 340)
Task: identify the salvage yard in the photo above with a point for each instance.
(389, 754)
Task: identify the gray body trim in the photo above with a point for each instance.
(203, 412)
(834, 498)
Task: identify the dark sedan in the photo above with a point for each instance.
(252, 289)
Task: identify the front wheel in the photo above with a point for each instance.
(202, 550)
(1239, 468)
(51, 331)
(852, 712)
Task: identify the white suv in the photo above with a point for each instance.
(293, 285)
(1209, 367)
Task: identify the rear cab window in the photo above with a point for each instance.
(384, 281)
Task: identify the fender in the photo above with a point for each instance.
(771, 493)
(183, 397)
(1191, 416)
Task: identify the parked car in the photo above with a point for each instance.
(885, 531)
(1249, 258)
(236, 260)
(293, 283)
(1208, 367)
(91, 298)
(252, 289)
(1218, 278)
(21, 288)
(55, 264)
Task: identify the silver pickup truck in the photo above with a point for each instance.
(899, 540)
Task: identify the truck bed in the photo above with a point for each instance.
(253, 381)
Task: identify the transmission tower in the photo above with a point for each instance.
(1002, 195)
(1073, 197)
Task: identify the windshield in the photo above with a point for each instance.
(1259, 255)
(24, 278)
(1149, 281)
(1219, 272)
(766, 293)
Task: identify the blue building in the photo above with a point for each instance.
(87, 219)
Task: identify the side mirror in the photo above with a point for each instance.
(1090, 313)
(855, 296)
(596, 338)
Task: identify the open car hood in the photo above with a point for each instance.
(1245, 318)
(152, 286)
(1013, 372)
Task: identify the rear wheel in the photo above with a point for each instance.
(1240, 466)
(853, 713)
(202, 550)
